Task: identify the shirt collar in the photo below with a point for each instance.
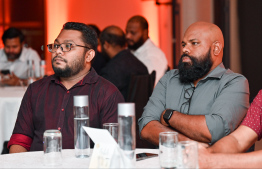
(142, 47)
(90, 78)
(217, 72)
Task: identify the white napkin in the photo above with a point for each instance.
(106, 152)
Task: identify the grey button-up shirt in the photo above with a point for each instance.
(222, 96)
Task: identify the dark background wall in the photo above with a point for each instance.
(250, 29)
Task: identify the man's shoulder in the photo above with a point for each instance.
(2, 55)
(43, 81)
(230, 75)
(29, 53)
(152, 49)
(106, 85)
(171, 75)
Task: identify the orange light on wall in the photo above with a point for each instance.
(56, 16)
(150, 12)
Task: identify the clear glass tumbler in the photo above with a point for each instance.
(52, 147)
(168, 149)
(113, 129)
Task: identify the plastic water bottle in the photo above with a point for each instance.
(30, 71)
(127, 132)
(42, 68)
(81, 118)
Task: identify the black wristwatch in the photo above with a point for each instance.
(168, 115)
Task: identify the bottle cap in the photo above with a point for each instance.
(81, 100)
(126, 109)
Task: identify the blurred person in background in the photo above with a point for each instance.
(123, 64)
(143, 47)
(14, 57)
(100, 60)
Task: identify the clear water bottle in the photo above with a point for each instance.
(81, 118)
(127, 132)
(42, 68)
(30, 71)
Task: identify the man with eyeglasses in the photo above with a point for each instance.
(201, 100)
(48, 103)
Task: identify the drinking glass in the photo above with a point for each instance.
(188, 153)
(113, 129)
(168, 149)
(52, 147)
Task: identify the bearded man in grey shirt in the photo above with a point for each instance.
(201, 100)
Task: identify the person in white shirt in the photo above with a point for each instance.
(14, 57)
(143, 48)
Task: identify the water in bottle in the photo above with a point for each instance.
(81, 118)
(30, 72)
(127, 132)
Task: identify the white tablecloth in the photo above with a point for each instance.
(35, 160)
(10, 100)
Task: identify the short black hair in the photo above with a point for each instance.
(138, 18)
(113, 35)
(89, 36)
(13, 33)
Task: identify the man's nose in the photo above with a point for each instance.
(185, 50)
(128, 36)
(59, 50)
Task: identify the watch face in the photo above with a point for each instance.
(167, 115)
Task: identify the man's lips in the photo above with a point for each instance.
(186, 59)
(58, 59)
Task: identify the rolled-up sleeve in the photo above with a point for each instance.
(229, 108)
(24, 131)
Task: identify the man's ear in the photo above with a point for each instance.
(90, 55)
(217, 48)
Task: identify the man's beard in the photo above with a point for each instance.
(137, 44)
(104, 54)
(196, 69)
(13, 56)
(77, 66)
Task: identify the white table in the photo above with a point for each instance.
(35, 160)
(10, 100)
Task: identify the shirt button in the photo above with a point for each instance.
(67, 91)
(62, 109)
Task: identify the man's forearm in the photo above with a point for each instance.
(17, 149)
(192, 126)
(151, 132)
(238, 141)
(243, 160)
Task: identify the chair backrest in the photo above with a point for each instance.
(139, 91)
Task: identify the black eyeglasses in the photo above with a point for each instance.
(187, 95)
(65, 47)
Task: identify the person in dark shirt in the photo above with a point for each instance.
(48, 103)
(123, 63)
(99, 62)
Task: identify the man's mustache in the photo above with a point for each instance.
(59, 58)
(186, 55)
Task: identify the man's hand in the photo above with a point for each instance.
(204, 156)
(11, 80)
(162, 121)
